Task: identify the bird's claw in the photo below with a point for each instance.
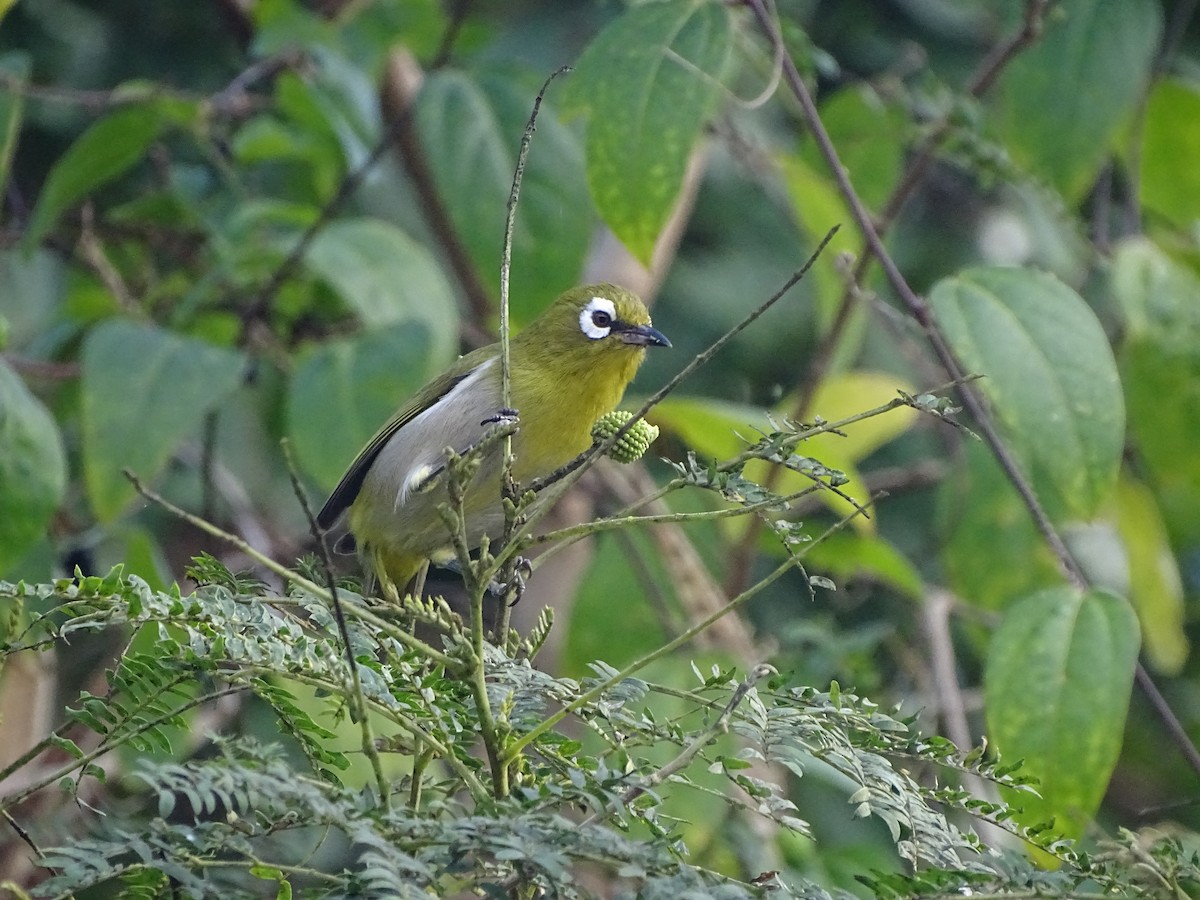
(503, 416)
(522, 570)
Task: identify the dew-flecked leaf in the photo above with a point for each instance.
(1056, 689)
(648, 82)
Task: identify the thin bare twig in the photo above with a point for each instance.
(458, 13)
(922, 159)
(921, 311)
(261, 303)
(339, 616)
(510, 222)
(685, 756)
(21, 833)
(93, 253)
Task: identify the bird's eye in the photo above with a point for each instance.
(597, 318)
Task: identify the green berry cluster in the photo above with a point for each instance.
(633, 444)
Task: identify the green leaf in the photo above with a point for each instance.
(471, 127)
(144, 390)
(104, 152)
(1061, 103)
(991, 551)
(648, 82)
(593, 631)
(1155, 586)
(33, 468)
(345, 390)
(1170, 143)
(1050, 377)
(818, 207)
(16, 67)
(1059, 673)
(1160, 369)
(270, 873)
(32, 287)
(386, 277)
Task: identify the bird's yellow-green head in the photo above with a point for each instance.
(571, 365)
(598, 328)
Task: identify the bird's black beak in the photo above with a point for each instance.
(644, 336)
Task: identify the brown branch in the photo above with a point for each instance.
(402, 82)
(980, 82)
(233, 101)
(921, 311)
(93, 254)
(42, 368)
(261, 304)
(459, 11)
(916, 305)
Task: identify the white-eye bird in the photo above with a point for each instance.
(567, 368)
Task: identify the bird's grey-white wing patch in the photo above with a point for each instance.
(414, 459)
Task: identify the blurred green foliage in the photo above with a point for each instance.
(228, 223)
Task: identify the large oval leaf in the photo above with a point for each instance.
(386, 277)
(647, 83)
(1160, 368)
(143, 391)
(1088, 71)
(33, 468)
(1059, 672)
(345, 390)
(471, 130)
(1050, 377)
(105, 151)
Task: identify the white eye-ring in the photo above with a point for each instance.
(597, 317)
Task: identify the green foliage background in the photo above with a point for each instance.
(227, 223)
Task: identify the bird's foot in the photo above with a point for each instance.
(503, 416)
(522, 570)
